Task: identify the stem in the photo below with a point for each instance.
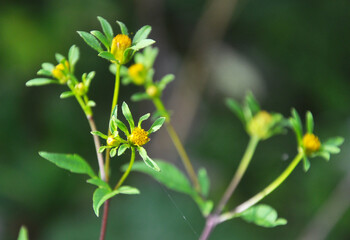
(270, 188)
(104, 220)
(253, 142)
(209, 226)
(178, 145)
(114, 103)
(125, 175)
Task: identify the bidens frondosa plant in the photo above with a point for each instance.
(127, 62)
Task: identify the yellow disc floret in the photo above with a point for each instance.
(119, 44)
(59, 72)
(139, 137)
(137, 73)
(260, 124)
(311, 143)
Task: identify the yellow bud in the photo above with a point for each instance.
(139, 137)
(311, 143)
(137, 73)
(59, 73)
(260, 124)
(80, 89)
(111, 141)
(152, 91)
(119, 44)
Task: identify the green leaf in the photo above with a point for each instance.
(323, 154)
(23, 233)
(91, 103)
(128, 190)
(331, 149)
(44, 72)
(102, 38)
(113, 125)
(262, 215)
(147, 160)
(122, 149)
(113, 152)
(70, 162)
(90, 40)
(309, 122)
(306, 163)
(236, 109)
(142, 44)
(206, 207)
(141, 34)
(156, 125)
(336, 141)
(40, 82)
(73, 55)
(107, 55)
(66, 94)
(139, 97)
(122, 127)
(165, 80)
(170, 176)
(59, 57)
(252, 103)
(296, 124)
(204, 181)
(107, 29)
(48, 66)
(99, 183)
(143, 118)
(102, 148)
(100, 196)
(97, 133)
(127, 115)
(123, 28)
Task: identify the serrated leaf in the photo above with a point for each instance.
(66, 94)
(122, 149)
(107, 55)
(156, 125)
(40, 82)
(147, 160)
(73, 55)
(70, 162)
(23, 234)
(127, 115)
(143, 118)
(262, 215)
(142, 44)
(102, 38)
(204, 181)
(90, 40)
(141, 34)
(98, 133)
(123, 28)
(107, 29)
(170, 176)
(99, 183)
(139, 97)
(236, 109)
(309, 122)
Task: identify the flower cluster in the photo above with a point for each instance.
(135, 138)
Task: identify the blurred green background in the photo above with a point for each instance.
(289, 53)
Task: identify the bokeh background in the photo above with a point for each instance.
(289, 53)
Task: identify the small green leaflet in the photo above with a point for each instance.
(262, 215)
(70, 162)
(204, 181)
(40, 82)
(103, 194)
(23, 234)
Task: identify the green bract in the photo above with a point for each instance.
(136, 137)
(308, 143)
(95, 38)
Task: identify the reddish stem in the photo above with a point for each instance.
(104, 220)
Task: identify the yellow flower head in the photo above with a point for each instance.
(58, 72)
(311, 143)
(137, 73)
(139, 137)
(152, 91)
(119, 44)
(259, 125)
(111, 141)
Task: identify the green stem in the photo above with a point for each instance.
(125, 175)
(266, 191)
(114, 103)
(253, 142)
(178, 144)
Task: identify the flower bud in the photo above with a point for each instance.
(152, 91)
(260, 125)
(80, 89)
(139, 137)
(111, 141)
(59, 72)
(137, 73)
(119, 44)
(311, 143)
